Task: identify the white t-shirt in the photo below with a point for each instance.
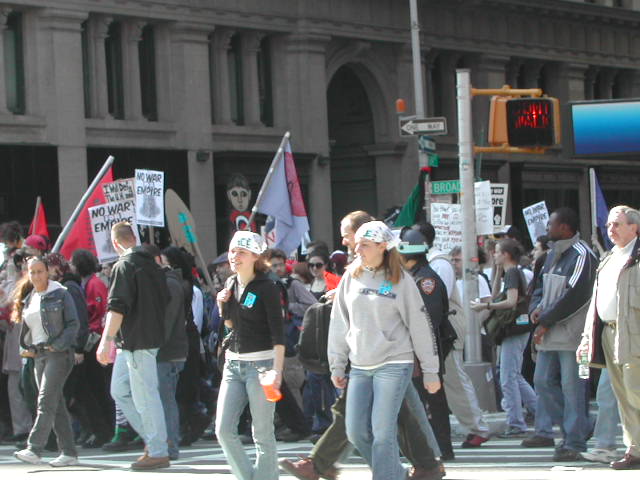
(443, 268)
(607, 297)
(197, 306)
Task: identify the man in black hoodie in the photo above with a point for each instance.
(136, 314)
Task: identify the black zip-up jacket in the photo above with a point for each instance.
(176, 346)
(257, 318)
(139, 292)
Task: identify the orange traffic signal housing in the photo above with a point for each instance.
(524, 122)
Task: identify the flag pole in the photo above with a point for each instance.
(267, 180)
(34, 222)
(594, 208)
(81, 204)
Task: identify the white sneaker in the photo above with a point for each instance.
(602, 455)
(27, 456)
(64, 461)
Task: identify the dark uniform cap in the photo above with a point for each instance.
(412, 242)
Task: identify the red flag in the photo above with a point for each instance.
(39, 223)
(80, 235)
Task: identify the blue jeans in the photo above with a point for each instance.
(240, 385)
(318, 397)
(168, 373)
(608, 417)
(134, 387)
(561, 394)
(515, 389)
(373, 404)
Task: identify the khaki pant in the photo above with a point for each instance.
(625, 380)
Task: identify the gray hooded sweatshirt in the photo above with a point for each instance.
(374, 322)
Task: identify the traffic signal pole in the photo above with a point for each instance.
(418, 89)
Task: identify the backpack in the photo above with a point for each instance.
(314, 337)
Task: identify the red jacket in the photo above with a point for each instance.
(332, 280)
(96, 293)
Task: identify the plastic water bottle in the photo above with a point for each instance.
(583, 368)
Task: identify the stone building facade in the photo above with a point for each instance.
(202, 89)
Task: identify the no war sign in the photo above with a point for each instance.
(103, 217)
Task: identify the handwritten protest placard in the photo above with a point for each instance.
(536, 216)
(149, 186)
(499, 200)
(123, 189)
(446, 218)
(484, 208)
(103, 217)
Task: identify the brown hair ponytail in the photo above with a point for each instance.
(23, 288)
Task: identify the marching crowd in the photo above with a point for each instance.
(363, 348)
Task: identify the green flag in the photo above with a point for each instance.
(414, 204)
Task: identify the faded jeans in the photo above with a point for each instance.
(373, 404)
(134, 387)
(52, 370)
(168, 373)
(561, 395)
(515, 389)
(606, 428)
(241, 385)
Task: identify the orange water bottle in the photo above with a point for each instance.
(267, 380)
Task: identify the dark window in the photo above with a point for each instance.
(147, 54)
(265, 82)
(14, 64)
(86, 76)
(115, 88)
(236, 96)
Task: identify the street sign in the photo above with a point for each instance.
(444, 187)
(426, 144)
(421, 126)
(434, 160)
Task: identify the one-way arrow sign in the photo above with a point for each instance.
(423, 126)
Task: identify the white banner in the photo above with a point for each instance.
(536, 216)
(484, 208)
(499, 199)
(149, 197)
(103, 217)
(119, 190)
(446, 218)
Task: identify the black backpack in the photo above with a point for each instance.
(312, 344)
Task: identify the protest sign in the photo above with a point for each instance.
(484, 208)
(499, 199)
(149, 187)
(446, 218)
(118, 190)
(103, 217)
(536, 216)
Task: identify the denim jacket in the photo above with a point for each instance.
(59, 320)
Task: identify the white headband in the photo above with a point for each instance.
(247, 240)
(377, 232)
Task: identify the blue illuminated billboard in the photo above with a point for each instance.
(605, 128)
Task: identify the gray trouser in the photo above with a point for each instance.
(20, 414)
(461, 395)
(52, 370)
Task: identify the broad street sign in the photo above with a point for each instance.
(445, 187)
(423, 126)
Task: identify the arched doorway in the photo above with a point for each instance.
(353, 172)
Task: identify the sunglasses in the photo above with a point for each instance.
(316, 265)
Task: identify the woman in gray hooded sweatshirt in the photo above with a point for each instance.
(378, 323)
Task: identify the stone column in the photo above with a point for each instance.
(221, 101)
(131, 36)
(99, 97)
(250, 81)
(4, 13)
(190, 68)
(306, 71)
(64, 103)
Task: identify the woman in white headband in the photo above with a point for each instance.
(250, 306)
(378, 323)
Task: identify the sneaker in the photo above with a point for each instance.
(602, 455)
(566, 455)
(150, 463)
(64, 461)
(473, 441)
(538, 442)
(512, 432)
(27, 456)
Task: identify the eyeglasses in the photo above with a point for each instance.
(316, 265)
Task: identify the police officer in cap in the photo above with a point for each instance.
(413, 249)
